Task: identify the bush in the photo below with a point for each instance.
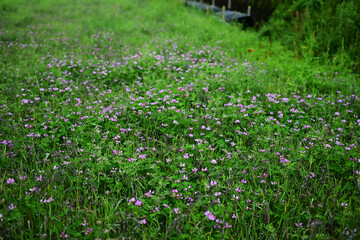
(326, 31)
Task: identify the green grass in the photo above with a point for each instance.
(151, 120)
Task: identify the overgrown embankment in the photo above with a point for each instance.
(147, 119)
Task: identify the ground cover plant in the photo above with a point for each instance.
(151, 120)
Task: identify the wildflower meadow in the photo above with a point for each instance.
(150, 120)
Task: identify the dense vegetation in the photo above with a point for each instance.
(323, 31)
(327, 32)
(146, 119)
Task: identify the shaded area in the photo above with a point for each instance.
(261, 10)
(229, 16)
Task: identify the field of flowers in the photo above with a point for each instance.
(169, 131)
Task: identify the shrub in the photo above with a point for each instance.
(319, 30)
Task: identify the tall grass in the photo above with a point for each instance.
(320, 31)
(146, 119)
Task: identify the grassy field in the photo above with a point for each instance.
(148, 120)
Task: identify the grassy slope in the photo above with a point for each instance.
(134, 24)
(91, 47)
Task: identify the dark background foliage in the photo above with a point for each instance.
(322, 30)
(327, 31)
(261, 9)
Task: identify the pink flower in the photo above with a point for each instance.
(209, 215)
(213, 183)
(227, 225)
(10, 181)
(12, 206)
(89, 230)
(298, 225)
(149, 193)
(63, 235)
